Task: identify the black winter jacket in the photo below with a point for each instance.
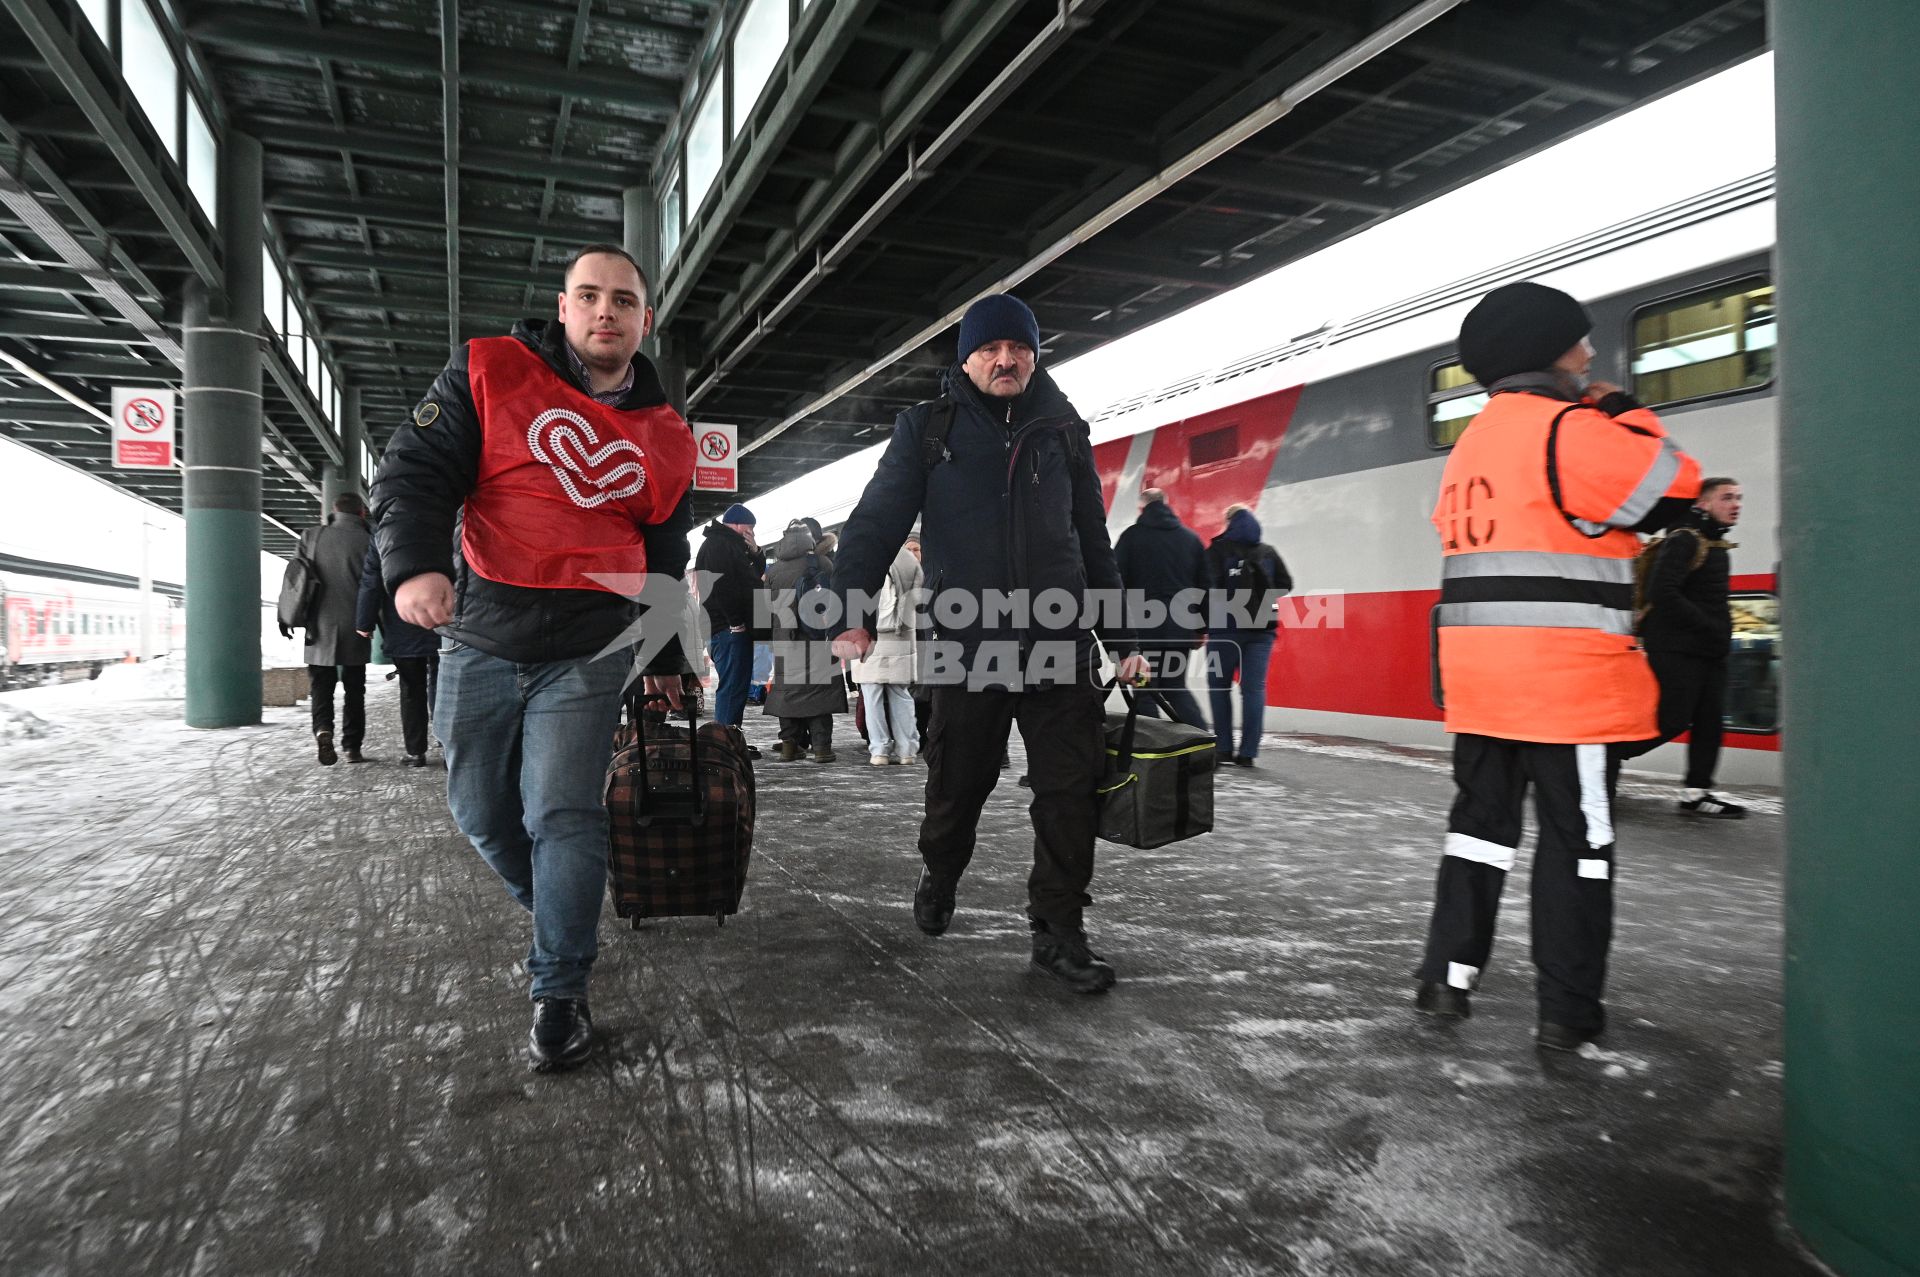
(1159, 557)
(1013, 505)
(738, 570)
(429, 468)
(1687, 606)
(400, 640)
(1228, 607)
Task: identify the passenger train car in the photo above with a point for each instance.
(1337, 440)
(52, 628)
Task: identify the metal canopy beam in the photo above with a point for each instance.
(412, 150)
(247, 31)
(316, 203)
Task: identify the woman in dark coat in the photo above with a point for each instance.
(807, 690)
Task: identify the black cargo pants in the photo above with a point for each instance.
(1572, 884)
(1064, 728)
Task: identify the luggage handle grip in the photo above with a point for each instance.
(1125, 763)
(635, 716)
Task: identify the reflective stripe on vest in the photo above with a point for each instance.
(1537, 587)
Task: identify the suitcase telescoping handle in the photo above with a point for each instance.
(695, 792)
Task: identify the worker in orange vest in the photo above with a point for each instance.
(1539, 668)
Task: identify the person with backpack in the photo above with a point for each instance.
(1013, 531)
(885, 674)
(1248, 579)
(1686, 628)
(807, 690)
(1165, 565)
(336, 653)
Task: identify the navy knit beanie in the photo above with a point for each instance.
(1520, 327)
(738, 514)
(998, 317)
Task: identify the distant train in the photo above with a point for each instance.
(1337, 440)
(52, 629)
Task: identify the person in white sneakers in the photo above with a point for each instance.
(885, 675)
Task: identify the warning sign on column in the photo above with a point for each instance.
(143, 428)
(716, 465)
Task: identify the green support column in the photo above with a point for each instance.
(1848, 116)
(220, 414)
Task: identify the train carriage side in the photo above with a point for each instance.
(1342, 471)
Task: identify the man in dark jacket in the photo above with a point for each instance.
(1248, 579)
(569, 473)
(336, 654)
(415, 654)
(735, 568)
(1687, 632)
(1013, 537)
(1164, 566)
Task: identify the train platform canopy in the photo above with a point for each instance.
(271, 1021)
(820, 185)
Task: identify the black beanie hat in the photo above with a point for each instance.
(998, 317)
(1520, 327)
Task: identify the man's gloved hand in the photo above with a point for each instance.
(286, 632)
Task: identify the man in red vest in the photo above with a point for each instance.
(541, 476)
(1539, 669)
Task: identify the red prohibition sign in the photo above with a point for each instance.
(715, 445)
(144, 415)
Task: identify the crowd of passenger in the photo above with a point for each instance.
(517, 546)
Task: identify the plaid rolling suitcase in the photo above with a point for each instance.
(679, 818)
(1159, 782)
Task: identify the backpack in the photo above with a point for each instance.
(1649, 553)
(1248, 573)
(299, 590)
(815, 580)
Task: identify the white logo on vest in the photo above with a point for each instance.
(566, 441)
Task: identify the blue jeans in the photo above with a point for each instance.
(1246, 651)
(527, 748)
(732, 665)
(892, 731)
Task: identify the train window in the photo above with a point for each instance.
(1711, 342)
(1213, 446)
(1453, 399)
(1753, 665)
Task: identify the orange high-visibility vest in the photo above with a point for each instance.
(1535, 623)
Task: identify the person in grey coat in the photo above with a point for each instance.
(336, 651)
(807, 691)
(886, 673)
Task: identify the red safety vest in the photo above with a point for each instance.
(566, 483)
(1536, 605)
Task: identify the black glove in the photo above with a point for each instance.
(286, 631)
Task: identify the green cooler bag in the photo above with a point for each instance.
(1158, 786)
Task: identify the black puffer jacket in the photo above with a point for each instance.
(1159, 557)
(402, 641)
(423, 481)
(738, 570)
(1687, 606)
(1014, 505)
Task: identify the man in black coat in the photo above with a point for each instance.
(1013, 537)
(733, 569)
(336, 655)
(1687, 632)
(569, 475)
(415, 654)
(1164, 566)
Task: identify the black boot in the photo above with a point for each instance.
(562, 1033)
(325, 742)
(1563, 1037)
(933, 902)
(1444, 1000)
(1065, 955)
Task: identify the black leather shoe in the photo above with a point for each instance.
(1065, 956)
(353, 756)
(1563, 1037)
(933, 902)
(325, 741)
(414, 760)
(1439, 999)
(562, 1033)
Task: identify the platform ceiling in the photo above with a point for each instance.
(1114, 156)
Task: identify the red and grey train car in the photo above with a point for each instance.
(1337, 441)
(52, 628)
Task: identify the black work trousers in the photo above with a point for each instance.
(320, 684)
(1693, 698)
(417, 676)
(1064, 728)
(1572, 889)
